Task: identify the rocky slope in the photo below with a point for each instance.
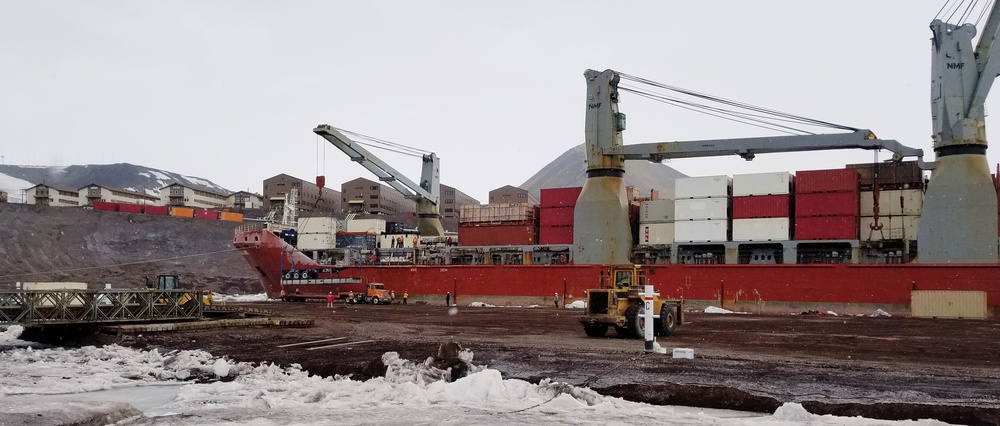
(122, 249)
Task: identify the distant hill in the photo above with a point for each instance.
(570, 170)
(121, 175)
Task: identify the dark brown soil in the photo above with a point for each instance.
(888, 368)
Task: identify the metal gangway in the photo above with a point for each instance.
(62, 307)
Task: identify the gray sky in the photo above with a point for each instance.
(231, 90)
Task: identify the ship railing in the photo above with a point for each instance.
(250, 227)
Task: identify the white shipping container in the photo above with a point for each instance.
(701, 231)
(702, 187)
(893, 228)
(765, 229)
(778, 183)
(701, 209)
(656, 233)
(656, 211)
(905, 202)
(317, 225)
(371, 226)
(317, 241)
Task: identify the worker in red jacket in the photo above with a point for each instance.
(329, 300)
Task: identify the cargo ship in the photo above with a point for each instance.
(904, 237)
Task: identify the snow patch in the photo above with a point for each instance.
(715, 310)
(577, 304)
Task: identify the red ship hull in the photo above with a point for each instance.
(842, 288)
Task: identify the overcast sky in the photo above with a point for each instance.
(231, 90)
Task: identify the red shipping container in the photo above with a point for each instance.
(496, 235)
(761, 206)
(559, 197)
(556, 216)
(826, 228)
(827, 204)
(555, 235)
(130, 208)
(105, 206)
(206, 214)
(157, 210)
(835, 180)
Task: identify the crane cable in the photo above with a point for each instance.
(772, 114)
(385, 145)
(952, 7)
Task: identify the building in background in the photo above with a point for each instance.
(451, 204)
(179, 195)
(311, 197)
(48, 195)
(512, 194)
(95, 192)
(244, 200)
(363, 196)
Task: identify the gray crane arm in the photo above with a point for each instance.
(988, 66)
(747, 148)
(384, 171)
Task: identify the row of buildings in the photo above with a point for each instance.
(359, 196)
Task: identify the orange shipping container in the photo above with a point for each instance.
(181, 212)
(232, 217)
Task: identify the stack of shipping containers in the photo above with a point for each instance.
(656, 222)
(497, 225)
(701, 209)
(900, 200)
(826, 204)
(762, 207)
(317, 233)
(556, 215)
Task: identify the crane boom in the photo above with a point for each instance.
(426, 194)
(747, 148)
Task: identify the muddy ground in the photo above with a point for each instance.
(878, 367)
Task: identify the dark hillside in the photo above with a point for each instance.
(69, 244)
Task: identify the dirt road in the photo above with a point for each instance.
(890, 368)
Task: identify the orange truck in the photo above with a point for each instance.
(375, 293)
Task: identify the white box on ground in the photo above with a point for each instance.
(684, 353)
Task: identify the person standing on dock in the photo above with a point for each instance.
(556, 300)
(405, 295)
(329, 300)
(447, 299)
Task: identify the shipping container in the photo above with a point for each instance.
(893, 202)
(490, 235)
(502, 212)
(778, 183)
(762, 229)
(317, 225)
(761, 206)
(700, 231)
(371, 226)
(656, 233)
(556, 216)
(206, 214)
(826, 204)
(156, 210)
(363, 240)
(555, 234)
(232, 217)
(656, 211)
(559, 197)
(105, 206)
(129, 208)
(892, 175)
(702, 187)
(834, 180)
(826, 228)
(325, 241)
(701, 209)
(893, 228)
(181, 211)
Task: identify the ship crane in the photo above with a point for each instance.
(426, 194)
(602, 232)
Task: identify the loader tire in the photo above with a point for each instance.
(634, 316)
(596, 330)
(668, 321)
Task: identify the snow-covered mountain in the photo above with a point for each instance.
(14, 178)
